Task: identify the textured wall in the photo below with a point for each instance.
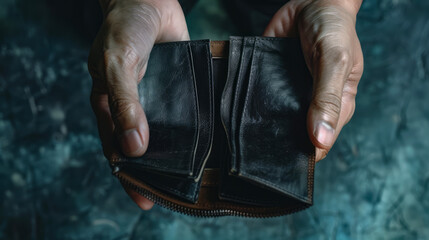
(55, 183)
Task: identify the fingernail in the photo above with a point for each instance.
(324, 133)
(131, 141)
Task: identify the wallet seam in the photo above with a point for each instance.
(196, 110)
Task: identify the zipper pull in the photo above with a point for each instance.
(115, 169)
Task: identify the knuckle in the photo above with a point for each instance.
(122, 108)
(339, 56)
(110, 58)
(111, 18)
(329, 103)
(356, 73)
(125, 58)
(350, 91)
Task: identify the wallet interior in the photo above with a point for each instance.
(227, 124)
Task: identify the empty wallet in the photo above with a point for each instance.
(227, 126)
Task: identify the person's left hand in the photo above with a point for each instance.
(334, 57)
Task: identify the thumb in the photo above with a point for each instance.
(123, 75)
(330, 72)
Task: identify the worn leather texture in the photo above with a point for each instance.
(227, 127)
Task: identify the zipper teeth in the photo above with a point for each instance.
(201, 212)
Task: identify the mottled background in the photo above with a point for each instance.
(55, 183)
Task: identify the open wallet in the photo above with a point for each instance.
(227, 126)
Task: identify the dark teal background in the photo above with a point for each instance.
(55, 183)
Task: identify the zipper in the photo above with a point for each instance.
(200, 212)
(129, 182)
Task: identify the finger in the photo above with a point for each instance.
(331, 68)
(141, 201)
(122, 71)
(348, 99)
(283, 23)
(100, 106)
(346, 113)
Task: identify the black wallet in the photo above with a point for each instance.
(228, 132)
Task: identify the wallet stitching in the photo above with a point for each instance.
(227, 206)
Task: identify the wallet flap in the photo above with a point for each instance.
(176, 94)
(272, 148)
(228, 94)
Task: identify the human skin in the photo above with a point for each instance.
(119, 55)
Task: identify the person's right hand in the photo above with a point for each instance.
(117, 62)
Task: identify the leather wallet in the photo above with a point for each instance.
(227, 122)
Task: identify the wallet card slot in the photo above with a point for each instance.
(239, 94)
(273, 145)
(226, 106)
(202, 65)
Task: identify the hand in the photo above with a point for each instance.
(334, 57)
(117, 62)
